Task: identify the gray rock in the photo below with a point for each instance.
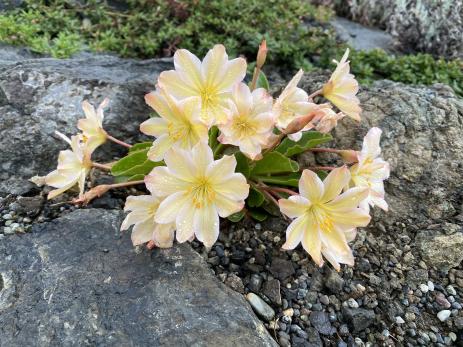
(358, 318)
(334, 282)
(62, 287)
(260, 307)
(272, 291)
(321, 322)
(282, 268)
(39, 96)
(441, 251)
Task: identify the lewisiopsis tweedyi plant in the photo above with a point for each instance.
(224, 148)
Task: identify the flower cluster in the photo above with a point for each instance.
(219, 139)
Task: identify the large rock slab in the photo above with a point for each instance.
(41, 95)
(75, 281)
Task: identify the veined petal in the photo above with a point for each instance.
(335, 240)
(334, 183)
(295, 232)
(142, 232)
(163, 235)
(184, 222)
(160, 147)
(312, 244)
(311, 186)
(354, 218)
(157, 102)
(154, 127)
(203, 156)
(234, 72)
(172, 83)
(54, 193)
(226, 206)
(371, 148)
(180, 164)
(214, 61)
(189, 66)
(57, 180)
(294, 206)
(89, 110)
(349, 199)
(242, 98)
(235, 187)
(191, 109)
(169, 207)
(161, 182)
(206, 225)
(221, 170)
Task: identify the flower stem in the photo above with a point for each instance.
(254, 78)
(119, 142)
(98, 191)
(328, 150)
(101, 166)
(329, 168)
(282, 190)
(219, 149)
(316, 93)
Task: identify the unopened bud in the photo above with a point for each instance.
(299, 123)
(261, 54)
(349, 156)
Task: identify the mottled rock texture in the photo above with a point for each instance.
(77, 282)
(39, 96)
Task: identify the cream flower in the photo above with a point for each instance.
(143, 208)
(341, 89)
(73, 167)
(251, 123)
(197, 191)
(178, 123)
(371, 170)
(323, 216)
(92, 125)
(292, 103)
(212, 80)
(329, 121)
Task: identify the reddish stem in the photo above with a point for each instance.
(119, 142)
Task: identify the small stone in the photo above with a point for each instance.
(352, 303)
(358, 319)
(271, 290)
(8, 222)
(261, 308)
(451, 290)
(385, 333)
(431, 286)
(8, 231)
(282, 268)
(399, 320)
(334, 282)
(444, 315)
(410, 316)
(459, 322)
(325, 300)
(7, 216)
(235, 283)
(321, 322)
(453, 336)
(442, 300)
(424, 288)
(288, 312)
(255, 283)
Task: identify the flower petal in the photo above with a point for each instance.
(294, 206)
(235, 188)
(172, 83)
(354, 218)
(213, 63)
(189, 67)
(206, 225)
(295, 232)
(312, 244)
(202, 157)
(222, 169)
(311, 186)
(349, 199)
(159, 148)
(161, 182)
(169, 207)
(226, 206)
(184, 222)
(335, 182)
(154, 127)
(234, 72)
(143, 232)
(163, 235)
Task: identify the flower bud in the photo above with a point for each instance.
(349, 156)
(261, 54)
(299, 123)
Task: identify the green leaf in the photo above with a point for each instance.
(262, 81)
(322, 174)
(255, 198)
(258, 215)
(291, 180)
(274, 163)
(213, 133)
(120, 179)
(242, 164)
(134, 163)
(140, 146)
(236, 217)
(310, 139)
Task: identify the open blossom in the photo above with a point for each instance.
(212, 80)
(197, 190)
(371, 170)
(251, 121)
(325, 219)
(73, 167)
(292, 103)
(143, 208)
(342, 88)
(178, 123)
(92, 125)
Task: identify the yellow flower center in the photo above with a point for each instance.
(202, 192)
(179, 131)
(243, 127)
(208, 96)
(321, 217)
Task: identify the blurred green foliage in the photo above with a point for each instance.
(296, 33)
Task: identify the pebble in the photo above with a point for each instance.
(352, 303)
(325, 300)
(430, 286)
(7, 216)
(442, 301)
(259, 306)
(453, 336)
(424, 288)
(443, 315)
(8, 231)
(399, 320)
(451, 290)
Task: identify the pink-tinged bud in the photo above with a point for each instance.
(261, 54)
(348, 156)
(299, 123)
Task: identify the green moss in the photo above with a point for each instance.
(155, 28)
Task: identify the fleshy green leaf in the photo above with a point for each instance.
(258, 215)
(255, 198)
(140, 146)
(242, 164)
(213, 133)
(274, 163)
(310, 139)
(134, 163)
(236, 217)
(291, 180)
(120, 179)
(322, 174)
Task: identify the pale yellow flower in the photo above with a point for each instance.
(342, 88)
(323, 216)
(212, 80)
(371, 170)
(73, 167)
(329, 121)
(292, 103)
(143, 208)
(92, 125)
(251, 121)
(178, 124)
(197, 190)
